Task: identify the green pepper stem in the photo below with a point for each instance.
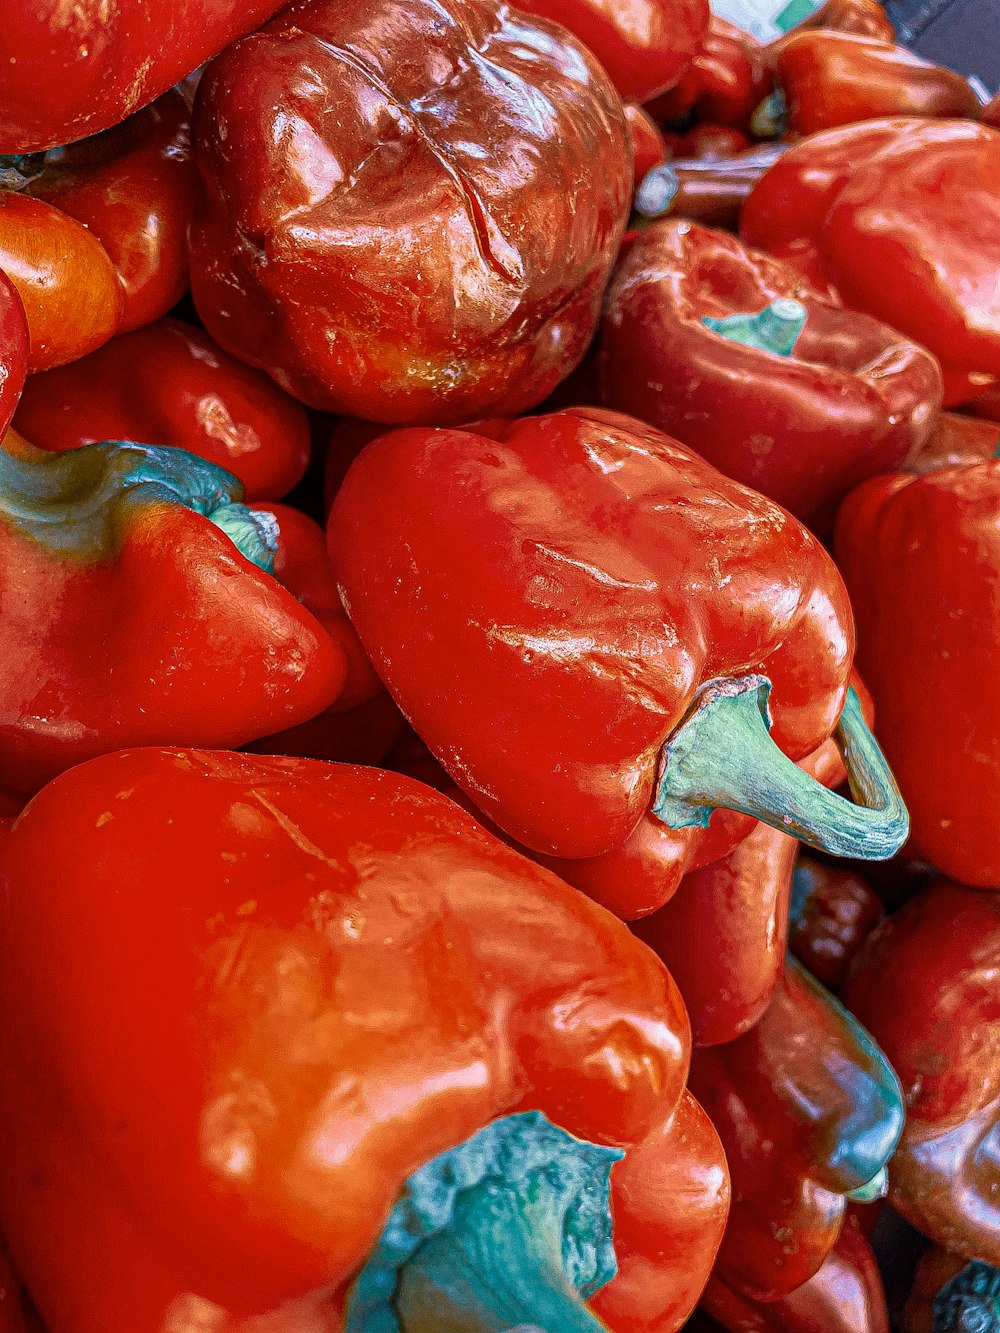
(775, 329)
(657, 191)
(723, 757)
(873, 1190)
(770, 119)
(510, 1232)
(498, 1266)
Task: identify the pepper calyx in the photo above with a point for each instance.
(775, 329)
(510, 1229)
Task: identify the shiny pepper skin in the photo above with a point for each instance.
(837, 78)
(364, 251)
(926, 985)
(544, 598)
(725, 83)
(330, 975)
(71, 73)
(134, 187)
(13, 350)
(172, 384)
(870, 205)
(645, 45)
(808, 1109)
(921, 557)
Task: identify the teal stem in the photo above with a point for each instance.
(74, 502)
(511, 1230)
(873, 1190)
(723, 757)
(770, 119)
(656, 193)
(775, 329)
(970, 1302)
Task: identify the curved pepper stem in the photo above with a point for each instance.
(770, 119)
(970, 1302)
(774, 329)
(657, 192)
(509, 1231)
(723, 757)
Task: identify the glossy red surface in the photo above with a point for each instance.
(161, 631)
(67, 283)
(926, 985)
(171, 384)
(369, 255)
(134, 187)
(838, 78)
(844, 1296)
(13, 350)
(70, 71)
(835, 912)
(725, 83)
(281, 934)
(649, 148)
(645, 45)
(544, 598)
(921, 557)
(852, 399)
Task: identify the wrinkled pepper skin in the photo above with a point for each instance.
(865, 17)
(851, 399)
(645, 47)
(926, 984)
(957, 441)
(67, 76)
(544, 598)
(72, 298)
(725, 82)
(478, 287)
(871, 204)
(321, 928)
(130, 618)
(845, 1296)
(833, 911)
(808, 1109)
(13, 350)
(837, 78)
(172, 384)
(134, 187)
(921, 557)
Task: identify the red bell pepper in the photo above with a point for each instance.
(578, 615)
(828, 78)
(723, 935)
(171, 384)
(844, 1296)
(13, 350)
(926, 985)
(986, 405)
(809, 1111)
(723, 85)
(871, 204)
(134, 188)
(921, 557)
(138, 610)
(713, 143)
(865, 17)
(409, 276)
(72, 298)
(649, 146)
(949, 1293)
(724, 348)
(957, 441)
(645, 47)
(833, 911)
(374, 1064)
(71, 73)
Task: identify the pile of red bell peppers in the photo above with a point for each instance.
(499, 659)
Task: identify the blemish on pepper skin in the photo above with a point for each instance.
(101, 820)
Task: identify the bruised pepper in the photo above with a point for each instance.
(921, 558)
(727, 350)
(376, 1072)
(138, 610)
(809, 1111)
(355, 241)
(926, 985)
(591, 628)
